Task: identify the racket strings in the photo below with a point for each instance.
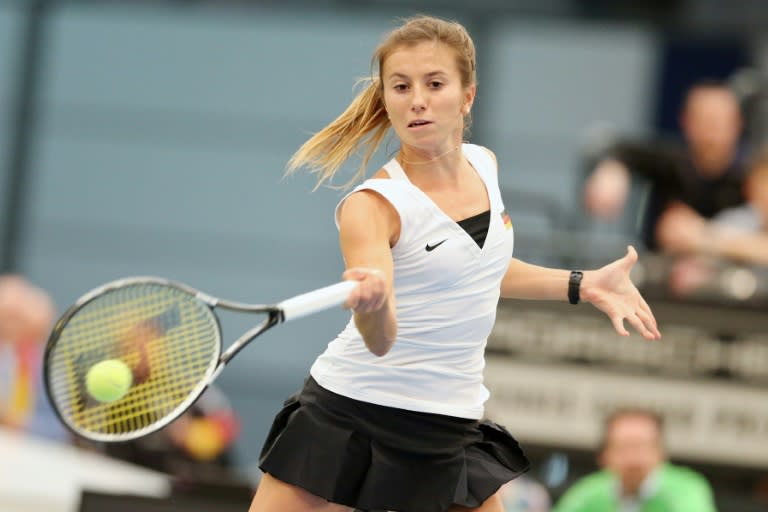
(168, 339)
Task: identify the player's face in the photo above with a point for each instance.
(425, 99)
(633, 450)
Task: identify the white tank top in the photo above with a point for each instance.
(446, 289)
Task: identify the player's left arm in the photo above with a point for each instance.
(608, 288)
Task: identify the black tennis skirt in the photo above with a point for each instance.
(372, 457)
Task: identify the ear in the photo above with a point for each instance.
(469, 99)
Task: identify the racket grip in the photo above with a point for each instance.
(316, 301)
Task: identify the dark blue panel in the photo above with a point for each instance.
(687, 60)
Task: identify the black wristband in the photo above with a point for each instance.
(574, 283)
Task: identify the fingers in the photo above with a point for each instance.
(641, 326)
(645, 322)
(651, 331)
(618, 324)
(370, 294)
(631, 258)
(646, 315)
(642, 320)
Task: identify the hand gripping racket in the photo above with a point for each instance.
(169, 337)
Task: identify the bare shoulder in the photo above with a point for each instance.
(367, 215)
(364, 203)
(367, 202)
(367, 206)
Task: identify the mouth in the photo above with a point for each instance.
(418, 123)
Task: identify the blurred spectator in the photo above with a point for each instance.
(737, 234)
(706, 174)
(752, 216)
(196, 446)
(26, 312)
(636, 476)
(26, 315)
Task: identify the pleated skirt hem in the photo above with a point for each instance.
(373, 457)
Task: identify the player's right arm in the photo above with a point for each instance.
(368, 228)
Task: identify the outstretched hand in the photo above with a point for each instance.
(610, 290)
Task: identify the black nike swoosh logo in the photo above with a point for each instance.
(433, 247)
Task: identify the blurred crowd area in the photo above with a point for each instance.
(150, 138)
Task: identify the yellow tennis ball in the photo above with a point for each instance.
(109, 380)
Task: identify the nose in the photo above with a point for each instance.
(418, 100)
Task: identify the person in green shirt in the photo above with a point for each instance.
(635, 474)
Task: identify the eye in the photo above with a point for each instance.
(435, 84)
(400, 87)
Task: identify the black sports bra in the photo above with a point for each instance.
(477, 226)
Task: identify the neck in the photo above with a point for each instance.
(712, 165)
(421, 160)
(443, 169)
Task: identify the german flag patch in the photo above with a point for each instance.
(506, 220)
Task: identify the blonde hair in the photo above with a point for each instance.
(364, 124)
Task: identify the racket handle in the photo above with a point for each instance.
(316, 301)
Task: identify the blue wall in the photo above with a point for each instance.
(10, 27)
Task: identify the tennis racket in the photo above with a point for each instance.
(167, 334)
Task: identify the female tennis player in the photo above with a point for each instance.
(391, 415)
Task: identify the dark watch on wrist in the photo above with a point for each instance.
(574, 284)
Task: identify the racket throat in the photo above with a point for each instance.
(274, 317)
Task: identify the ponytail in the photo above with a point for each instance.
(363, 124)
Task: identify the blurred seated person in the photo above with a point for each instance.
(26, 316)
(751, 217)
(705, 173)
(635, 475)
(738, 234)
(197, 446)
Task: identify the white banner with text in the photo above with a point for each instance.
(561, 405)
